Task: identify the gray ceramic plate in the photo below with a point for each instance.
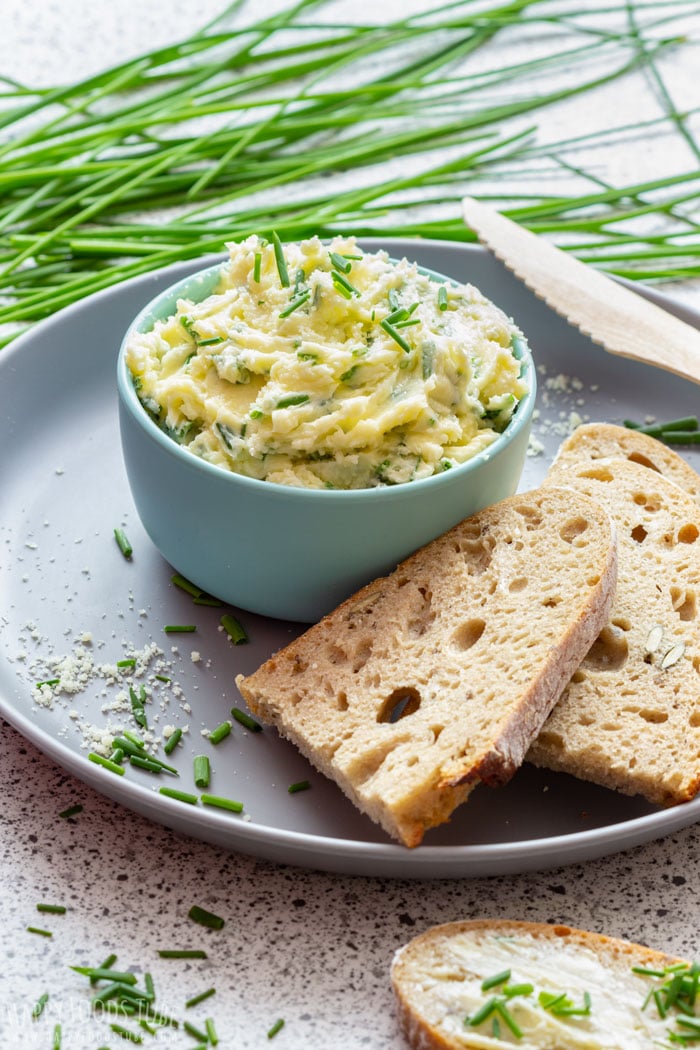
(64, 490)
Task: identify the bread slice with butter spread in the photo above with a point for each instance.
(489, 985)
(439, 676)
(630, 718)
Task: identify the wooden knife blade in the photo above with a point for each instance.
(609, 313)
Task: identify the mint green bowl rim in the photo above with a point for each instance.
(150, 313)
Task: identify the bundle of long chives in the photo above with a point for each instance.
(79, 160)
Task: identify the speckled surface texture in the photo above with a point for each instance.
(313, 949)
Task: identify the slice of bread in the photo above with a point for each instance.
(438, 977)
(603, 440)
(630, 717)
(440, 675)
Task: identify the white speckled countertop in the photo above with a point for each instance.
(312, 948)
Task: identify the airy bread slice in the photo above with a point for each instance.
(437, 979)
(604, 440)
(630, 718)
(440, 675)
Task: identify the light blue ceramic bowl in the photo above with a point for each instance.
(286, 552)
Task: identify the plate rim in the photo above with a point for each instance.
(329, 853)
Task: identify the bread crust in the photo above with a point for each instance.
(419, 956)
(471, 634)
(604, 440)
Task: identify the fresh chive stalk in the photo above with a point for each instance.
(301, 785)
(196, 1033)
(220, 733)
(180, 628)
(205, 918)
(172, 741)
(234, 629)
(246, 720)
(212, 1037)
(202, 771)
(280, 260)
(52, 909)
(179, 796)
(71, 811)
(196, 999)
(123, 543)
(100, 760)
(222, 803)
(39, 1005)
(275, 1028)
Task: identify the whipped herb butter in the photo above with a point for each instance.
(326, 367)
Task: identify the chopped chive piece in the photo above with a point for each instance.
(272, 1032)
(150, 987)
(507, 1016)
(195, 1032)
(255, 413)
(496, 979)
(42, 933)
(172, 741)
(39, 1005)
(354, 258)
(185, 585)
(100, 760)
(106, 965)
(201, 997)
(291, 400)
(182, 953)
(72, 811)
(135, 739)
(246, 720)
(222, 803)
(301, 785)
(146, 763)
(180, 628)
(137, 709)
(211, 1032)
(56, 1044)
(52, 909)
(147, 1027)
(343, 285)
(220, 733)
(393, 297)
(680, 437)
(400, 314)
(279, 259)
(126, 663)
(105, 973)
(163, 678)
(205, 918)
(234, 629)
(47, 681)
(202, 771)
(179, 796)
(123, 543)
(257, 266)
(396, 336)
(442, 297)
(206, 599)
(410, 322)
(298, 301)
(161, 1019)
(125, 1033)
(482, 1014)
(215, 339)
(340, 262)
(510, 990)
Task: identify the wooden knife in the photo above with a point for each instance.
(609, 313)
